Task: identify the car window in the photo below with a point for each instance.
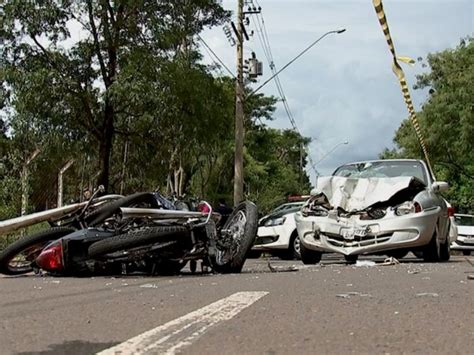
(464, 220)
(383, 169)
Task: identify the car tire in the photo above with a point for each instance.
(308, 256)
(466, 252)
(398, 254)
(445, 250)
(432, 252)
(351, 259)
(294, 249)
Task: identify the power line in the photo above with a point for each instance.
(264, 40)
(216, 56)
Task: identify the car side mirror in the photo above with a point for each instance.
(440, 186)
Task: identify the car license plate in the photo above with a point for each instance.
(350, 233)
(469, 240)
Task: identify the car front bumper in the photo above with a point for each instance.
(463, 242)
(352, 237)
(269, 238)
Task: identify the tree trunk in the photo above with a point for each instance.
(105, 145)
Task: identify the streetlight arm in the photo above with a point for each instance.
(332, 150)
(294, 59)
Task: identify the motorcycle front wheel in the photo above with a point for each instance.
(238, 235)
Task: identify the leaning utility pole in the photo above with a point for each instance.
(239, 112)
(24, 181)
(60, 182)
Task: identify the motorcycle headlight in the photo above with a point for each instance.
(407, 208)
(275, 222)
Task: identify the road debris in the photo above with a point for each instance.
(470, 277)
(370, 263)
(282, 268)
(149, 286)
(390, 261)
(366, 263)
(427, 294)
(352, 293)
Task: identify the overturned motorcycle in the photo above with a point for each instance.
(139, 233)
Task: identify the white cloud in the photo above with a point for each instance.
(344, 88)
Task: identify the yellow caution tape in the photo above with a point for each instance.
(401, 77)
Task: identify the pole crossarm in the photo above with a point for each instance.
(398, 71)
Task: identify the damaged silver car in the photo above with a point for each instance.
(386, 207)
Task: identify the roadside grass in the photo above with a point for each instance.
(7, 239)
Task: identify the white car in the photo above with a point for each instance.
(465, 240)
(277, 232)
(376, 207)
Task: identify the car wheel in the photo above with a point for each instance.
(351, 259)
(432, 252)
(308, 256)
(445, 250)
(398, 254)
(466, 252)
(294, 248)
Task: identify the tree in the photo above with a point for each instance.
(90, 88)
(447, 120)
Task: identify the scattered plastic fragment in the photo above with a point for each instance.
(282, 268)
(390, 261)
(470, 277)
(427, 294)
(367, 263)
(149, 286)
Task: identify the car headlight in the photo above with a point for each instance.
(275, 222)
(407, 208)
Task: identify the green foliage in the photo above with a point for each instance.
(447, 121)
(132, 104)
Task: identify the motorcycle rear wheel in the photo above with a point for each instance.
(108, 209)
(18, 257)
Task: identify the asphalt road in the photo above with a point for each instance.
(332, 308)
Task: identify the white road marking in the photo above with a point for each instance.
(181, 332)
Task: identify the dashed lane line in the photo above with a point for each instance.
(181, 332)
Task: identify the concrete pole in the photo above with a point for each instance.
(60, 181)
(24, 181)
(239, 113)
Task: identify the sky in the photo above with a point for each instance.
(343, 89)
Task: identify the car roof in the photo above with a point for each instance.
(380, 160)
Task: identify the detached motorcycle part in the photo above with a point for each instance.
(135, 239)
(107, 210)
(237, 237)
(18, 257)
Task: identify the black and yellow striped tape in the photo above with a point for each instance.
(401, 77)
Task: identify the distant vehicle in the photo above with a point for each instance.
(376, 207)
(288, 206)
(465, 240)
(277, 232)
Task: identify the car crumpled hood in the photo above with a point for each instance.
(357, 194)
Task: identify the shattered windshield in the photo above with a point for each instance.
(383, 169)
